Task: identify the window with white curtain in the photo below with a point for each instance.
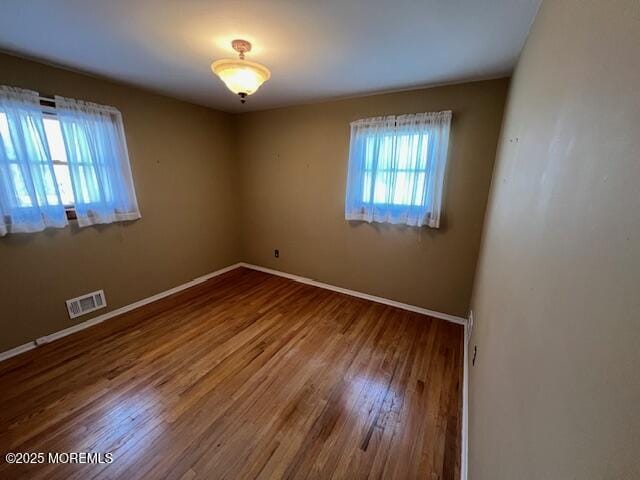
(69, 157)
(396, 169)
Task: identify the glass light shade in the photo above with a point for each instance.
(241, 76)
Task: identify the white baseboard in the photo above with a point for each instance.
(145, 301)
(113, 313)
(464, 430)
(17, 350)
(353, 293)
(468, 324)
(412, 308)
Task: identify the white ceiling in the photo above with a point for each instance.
(316, 49)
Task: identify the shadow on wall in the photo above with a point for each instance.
(73, 229)
(380, 228)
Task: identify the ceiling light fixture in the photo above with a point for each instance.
(241, 76)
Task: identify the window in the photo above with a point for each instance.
(72, 155)
(396, 169)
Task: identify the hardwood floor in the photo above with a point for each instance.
(245, 376)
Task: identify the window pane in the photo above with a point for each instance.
(400, 169)
(54, 139)
(366, 188)
(403, 190)
(381, 187)
(64, 183)
(419, 199)
(404, 153)
(48, 194)
(22, 195)
(409, 188)
(89, 188)
(59, 154)
(56, 147)
(423, 152)
(368, 153)
(385, 154)
(412, 151)
(6, 139)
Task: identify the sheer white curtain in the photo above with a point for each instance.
(98, 162)
(396, 169)
(29, 196)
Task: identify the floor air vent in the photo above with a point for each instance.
(86, 303)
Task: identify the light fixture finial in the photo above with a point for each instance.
(241, 46)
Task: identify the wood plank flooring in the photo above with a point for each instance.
(245, 376)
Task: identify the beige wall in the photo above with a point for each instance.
(215, 189)
(294, 165)
(182, 162)
(555, 392)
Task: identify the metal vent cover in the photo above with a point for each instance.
(86, 303)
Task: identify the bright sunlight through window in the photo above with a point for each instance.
(396, 168)
(55, 142)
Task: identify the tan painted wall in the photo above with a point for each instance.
(182, 162)
(294, 165)
(188, 163)
(555, 393)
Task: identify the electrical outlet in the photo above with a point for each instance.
(276, 253)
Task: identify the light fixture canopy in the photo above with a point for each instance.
(241, 76)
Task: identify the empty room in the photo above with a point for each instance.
(274, 239)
